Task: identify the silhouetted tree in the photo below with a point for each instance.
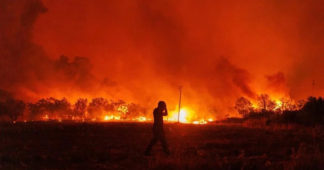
(62, 108)
(243, 106)
(307, 113)
(135, 110)
(314, 108)
(37, 109)
(12, 108)
(98, 106)
(80, 107)
(300, 104)
(265, 103)
(16, 109)
(50, 106)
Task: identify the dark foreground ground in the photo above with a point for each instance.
(50, 145)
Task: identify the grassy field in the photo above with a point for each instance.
(51, 145)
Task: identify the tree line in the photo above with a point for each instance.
(11, 108)
(306, 112)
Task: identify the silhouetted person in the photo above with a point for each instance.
(158, 132)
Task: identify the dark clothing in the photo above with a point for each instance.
(158, 132)
(158, 119)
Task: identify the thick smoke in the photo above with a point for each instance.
(21, 60)
(26, 70)
(276, 83)
(142, 51)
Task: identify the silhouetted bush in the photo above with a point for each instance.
(50, 107)
(10, 107)
(289, 116)
(312, 113)
(260, 114)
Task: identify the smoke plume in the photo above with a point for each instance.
(142, 51)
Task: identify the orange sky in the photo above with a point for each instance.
(142, 50)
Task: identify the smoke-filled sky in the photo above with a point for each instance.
(141, 51)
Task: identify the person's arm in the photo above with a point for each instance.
(165, 112)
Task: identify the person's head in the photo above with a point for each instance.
(161, 105)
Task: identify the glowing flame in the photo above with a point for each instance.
(106, 117)
(141, 119)
(255, 106)
(186, 116)
(278, 104)
(45, 117)
(200, 122)
(111, 117)
(183, 115)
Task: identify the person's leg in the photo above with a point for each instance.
(151, 144)
(164, 143)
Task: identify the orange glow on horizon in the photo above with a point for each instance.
(141, 52)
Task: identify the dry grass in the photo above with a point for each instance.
(120, 146)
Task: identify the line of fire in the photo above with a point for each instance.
(104, 110)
